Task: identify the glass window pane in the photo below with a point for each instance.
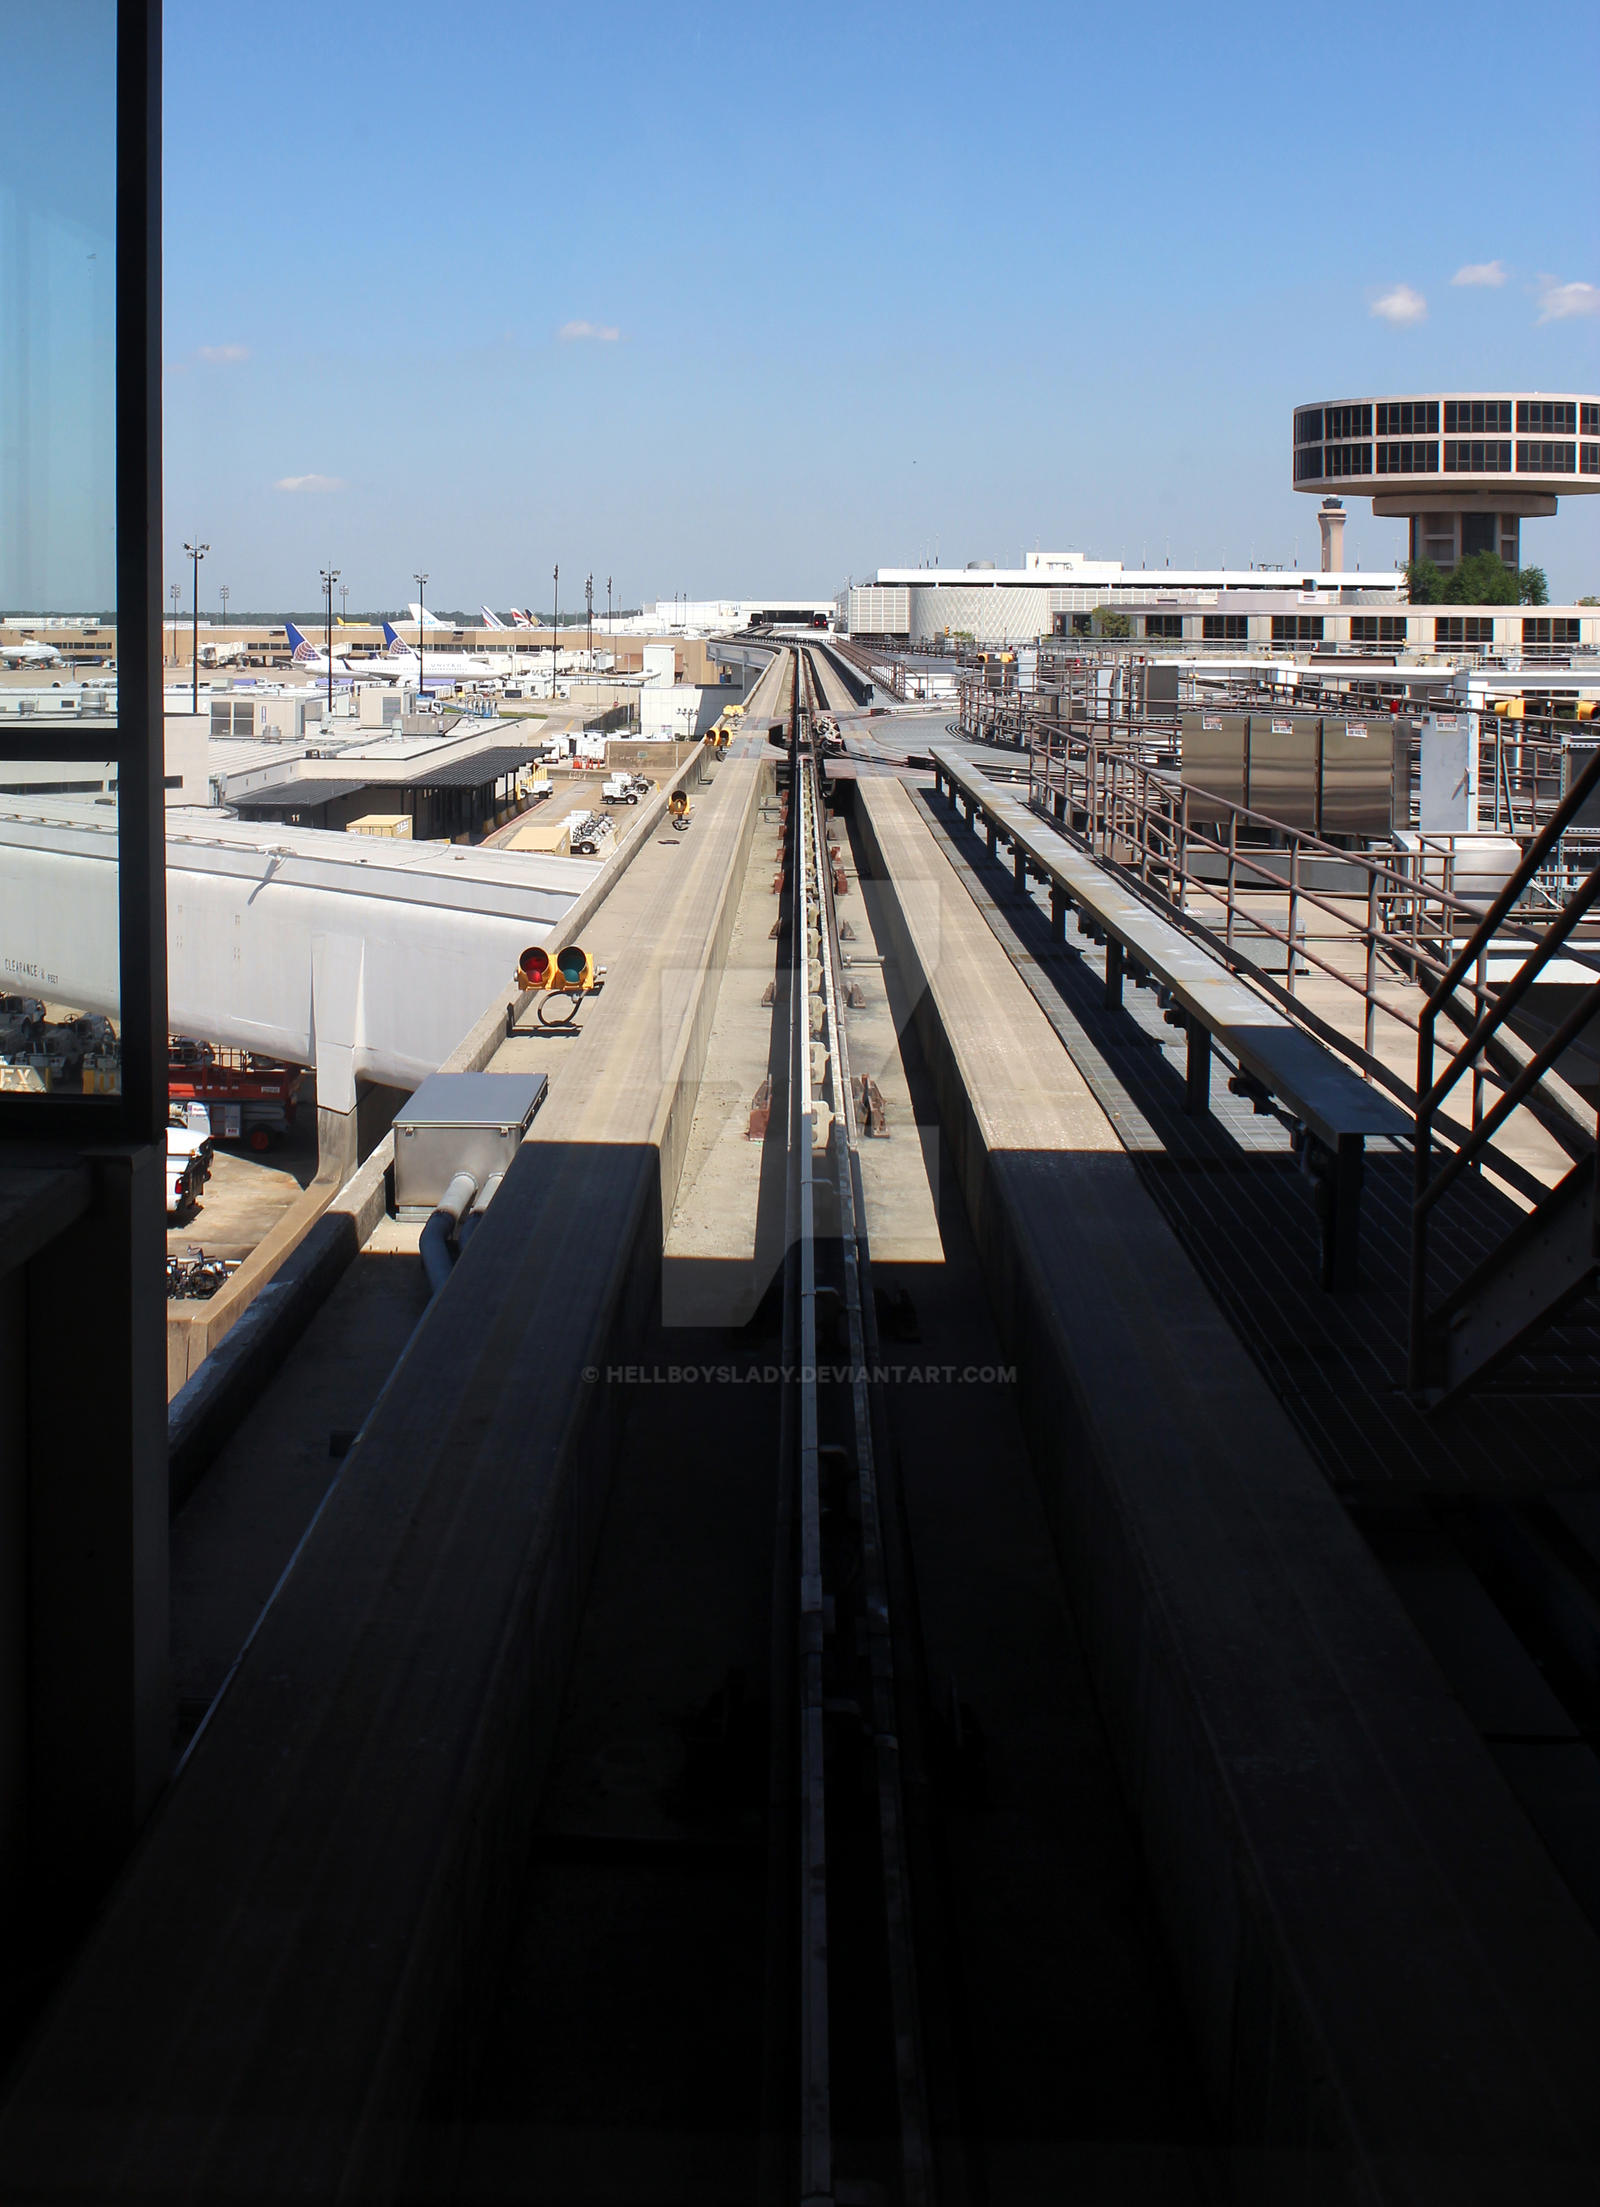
(59, 994)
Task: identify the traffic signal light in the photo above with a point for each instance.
(534, 968)
(574, 970)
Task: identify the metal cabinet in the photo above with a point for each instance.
(1212, 763)
(1283, 768)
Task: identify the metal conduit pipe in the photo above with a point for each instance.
(474, 1218)
(435, 1246)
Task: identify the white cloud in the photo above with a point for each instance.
(310, 482)
(1400, 305)
(221, 353)
(1492, 273)
(1558, 302)
(570, 330)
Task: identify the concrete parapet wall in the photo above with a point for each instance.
(1393, 1996)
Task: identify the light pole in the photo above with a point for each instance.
(344, 603)
(421, 580)
(555, 630)
(197, 553)
(610, 629)
(588, 599)
(175, 593)
(330, 575)
(223, 593)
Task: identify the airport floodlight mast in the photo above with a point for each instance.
(344, 604)
(555, 630)
(176, 594)
(420, 578)
(610, 630)
(224, 593)
(588, 599)
(330, 575)
(197, 553)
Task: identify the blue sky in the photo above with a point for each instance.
(733, 300)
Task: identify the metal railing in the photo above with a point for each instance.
(1494, 1012)
(1242, 880)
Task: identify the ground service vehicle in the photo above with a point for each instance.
(248, 1098)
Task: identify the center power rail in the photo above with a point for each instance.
(851, 2114)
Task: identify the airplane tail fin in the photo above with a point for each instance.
(394, 642)
(490, 620)
(299, 649)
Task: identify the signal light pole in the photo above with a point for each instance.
(197, 553)
(421, 581)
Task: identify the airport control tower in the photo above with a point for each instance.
(1463, 468)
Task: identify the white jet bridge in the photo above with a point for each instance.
(365, 958)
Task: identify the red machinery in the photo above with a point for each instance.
(250, 1099)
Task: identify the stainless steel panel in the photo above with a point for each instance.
(1212, 761)
(1358, 779)
(1283, 768)
(460, 1122)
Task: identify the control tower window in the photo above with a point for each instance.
(1589, 460)
(1408, 418)
(1547, 459)
(1477, 459)
(1408, 459)
(1308, 464)
(1347, 421)
(1478, 533)
(1590, 421)
(1476, 417)
(1347, 459)
(1308, 425)
(1547, 415)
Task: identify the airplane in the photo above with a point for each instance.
(523, 617)
(420, 616)
(441, 666)
(30, 654)
(490, 620)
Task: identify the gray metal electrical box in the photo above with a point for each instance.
(460, 1122)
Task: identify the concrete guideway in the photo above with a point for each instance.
(1393, 1993)
(367, 1782)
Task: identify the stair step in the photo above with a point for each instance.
(1551, 1258)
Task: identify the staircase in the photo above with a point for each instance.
(1551, 1256)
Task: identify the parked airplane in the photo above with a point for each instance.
(439, 666)
(490, 620)
(30, 654)
(306, 655)
(422, 617)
